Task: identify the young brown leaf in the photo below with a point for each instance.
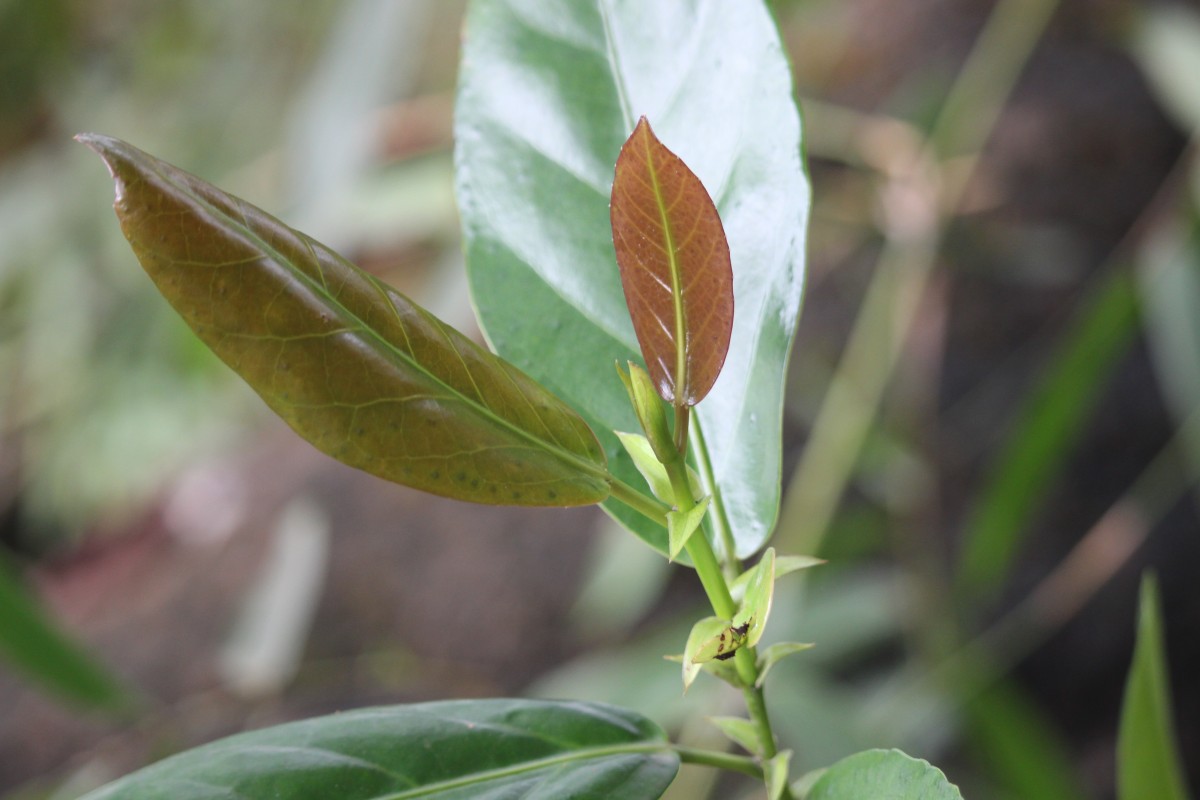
(675, 269)
(357, 369)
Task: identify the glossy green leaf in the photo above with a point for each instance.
(883, 773)
(32, 644)
(1148, 763)
(478, 749)
(741, 731)
(674, 262)
(548, 95)
(354, 367)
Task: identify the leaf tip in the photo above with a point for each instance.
(108, 149)
(98, 143)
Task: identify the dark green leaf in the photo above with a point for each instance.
(32, 644)
(674, 263)
(353, 366)
(548, 95)
(477, 749)
(1147, 758)
(883, 773)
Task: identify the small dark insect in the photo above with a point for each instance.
(729, 641)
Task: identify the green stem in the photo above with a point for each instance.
(713, 580)
(698, 546)
(682, 416)
(708, 568)
(652, 509)
(757, 707)
(715, 758)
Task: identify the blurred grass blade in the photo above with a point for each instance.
(1045, 430)
(1170, 290)
(1019, 747)
(675, 268)
(1166, 44)
(31, 643)
(353, 366)
(1148, 764)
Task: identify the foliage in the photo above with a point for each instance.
(377, 382)
(1147, 756)
(903, 659)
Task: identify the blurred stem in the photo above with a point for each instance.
(914, 234)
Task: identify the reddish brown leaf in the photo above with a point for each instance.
(675, 268)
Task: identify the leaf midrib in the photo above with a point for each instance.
(680, 376)
(486, 776)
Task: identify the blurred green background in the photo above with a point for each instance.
(991, 420)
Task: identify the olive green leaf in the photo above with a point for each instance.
(353, 366)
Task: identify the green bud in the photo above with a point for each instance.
(650, 411)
